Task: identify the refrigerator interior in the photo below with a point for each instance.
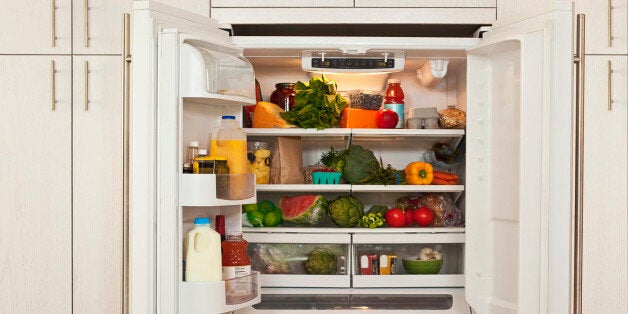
(406, 292)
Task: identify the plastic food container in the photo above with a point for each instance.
(259, 155)
(422, 118)
(365, 99)
(326, 177)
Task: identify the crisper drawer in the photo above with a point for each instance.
(300, 260)
(390, 260)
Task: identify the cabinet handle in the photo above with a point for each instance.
(53, 95)
(86, 23)
(86, 94)
(126, 68)
(609, 15)
(610, 85)
(53, 21)
(578, 164)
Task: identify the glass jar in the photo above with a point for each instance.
(259, 155)
(210, 165)
(236, 263)
(283, 96)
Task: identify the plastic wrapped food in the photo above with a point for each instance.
(365, 99)
(284, 258)
(452, 118)
(446, 214)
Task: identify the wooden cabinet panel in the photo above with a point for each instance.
(281, 3)
(36, 190)
(27, 27)
(600, 21)
(98, 185)
(605, 284)
(426, 3)
(354, 15)
(103, 28)
(200, 7)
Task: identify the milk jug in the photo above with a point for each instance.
(201, 253)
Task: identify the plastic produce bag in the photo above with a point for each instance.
(283, 258)
(452, 118)
(446, 214)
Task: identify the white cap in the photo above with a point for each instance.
(396, 81)
(202, 152)
(194, 144)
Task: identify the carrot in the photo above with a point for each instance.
(445, 175)
(438, 181)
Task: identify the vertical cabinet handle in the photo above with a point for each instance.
(610, 85)
(86, 24)
(609, 20)
(126, 68)
(86, 93)
(578, 171)
(53, 96)
(53, 23)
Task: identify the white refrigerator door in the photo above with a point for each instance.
(518, 188)
(158, 32)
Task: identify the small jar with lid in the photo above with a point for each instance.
(283, 96)
(211, 165)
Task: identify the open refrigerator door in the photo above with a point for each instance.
(518, 165)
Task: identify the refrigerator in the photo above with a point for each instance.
(511, 256)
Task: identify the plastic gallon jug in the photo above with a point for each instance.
(229, 140)
(201, 253)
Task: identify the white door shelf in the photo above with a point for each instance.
(219, 100)
(212, 297)
(217, 189)
(407, 281)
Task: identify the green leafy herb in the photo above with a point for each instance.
(316, 104)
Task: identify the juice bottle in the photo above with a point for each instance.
(394, 100)
(236, 263)
(229, 140)
(201, 253)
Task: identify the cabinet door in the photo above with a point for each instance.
(98, 185)
(604, 282)
(35, 185)
(606, 29)
(281, 3)
(97, 25)
(29, 26)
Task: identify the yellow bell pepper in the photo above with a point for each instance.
(419, 172)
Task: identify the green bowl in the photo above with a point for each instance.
(413, 266)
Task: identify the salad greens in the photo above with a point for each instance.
(316, 104)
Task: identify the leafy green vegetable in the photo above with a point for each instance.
(372, 220)
(316, 104)
(334, 159)
(360, 163)
(359, 166)
(385, 176)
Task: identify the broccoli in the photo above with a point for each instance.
(359, 164)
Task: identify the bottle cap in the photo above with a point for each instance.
(228, 117)
(201, 221)
(220, 220)
(202, 152)
(394, 81)
(193, 144)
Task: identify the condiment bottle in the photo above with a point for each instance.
(236, 263)
(283, 96)
(220, 226)
(201, 253)
(229, 140)
(394, 100)
(192, 155)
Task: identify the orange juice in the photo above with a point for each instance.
(229, 140)
(234, 150)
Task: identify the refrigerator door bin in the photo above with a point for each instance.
(217, 189)
(215, 71)
(217, 297)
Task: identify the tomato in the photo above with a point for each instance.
(386, 119)
(409, 214)
(395, 217)
(423, 216)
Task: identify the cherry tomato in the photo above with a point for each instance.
(409, 214)
(423, 216)
(395, 217)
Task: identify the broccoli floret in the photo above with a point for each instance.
(359, 164)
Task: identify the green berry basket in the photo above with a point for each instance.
(319, 177)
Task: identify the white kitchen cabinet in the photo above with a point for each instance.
(606, 25)
(97, 185)
(604, 282)
(36, 27)
(200, 7)
(426, 3)
(281, 3)
(36, 194)
(98, 29)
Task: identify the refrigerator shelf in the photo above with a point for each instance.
(404, 232)
(219, 100)
(357, 188)
(337, 188)
(361, 134)
(217, 189)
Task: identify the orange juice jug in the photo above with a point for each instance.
(229, 140)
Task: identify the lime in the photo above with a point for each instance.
(271, 219)
(265, 206)
(249, 207)
(255, 218)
